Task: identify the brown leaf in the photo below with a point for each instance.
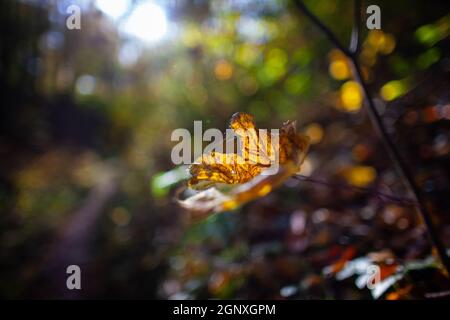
(244, 172)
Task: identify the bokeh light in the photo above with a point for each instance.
(360, 176)
(392, 90)
(351, 96)
(223, 70)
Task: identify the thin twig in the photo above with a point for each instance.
(375, 118)
(330, 35)
(401, 200)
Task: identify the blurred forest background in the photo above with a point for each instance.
(86, 176)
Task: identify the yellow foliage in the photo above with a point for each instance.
(392, 89)
(339, 70)
(351, 96)
(315, 132)
(360, 176)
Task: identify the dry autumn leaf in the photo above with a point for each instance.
(244, 173)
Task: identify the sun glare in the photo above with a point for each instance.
(146, 22)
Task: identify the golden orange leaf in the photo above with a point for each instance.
(244, 172)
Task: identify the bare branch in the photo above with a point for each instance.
(330, 35)
(402, 169)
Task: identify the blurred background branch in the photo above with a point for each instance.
(78, 105)
(402, 169)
